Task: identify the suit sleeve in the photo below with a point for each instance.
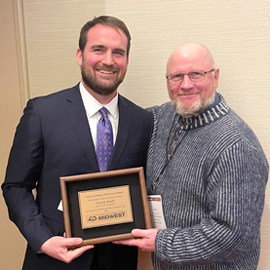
(22, 176)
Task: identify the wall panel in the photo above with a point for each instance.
(237, 33)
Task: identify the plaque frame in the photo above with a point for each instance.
(71, 185)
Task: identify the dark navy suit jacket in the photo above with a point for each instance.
(53, 139)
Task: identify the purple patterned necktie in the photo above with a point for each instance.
(104, 140)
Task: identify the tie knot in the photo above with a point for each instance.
(104, 112)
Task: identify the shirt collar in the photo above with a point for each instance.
(93, 106)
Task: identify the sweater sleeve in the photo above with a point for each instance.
(235, 191)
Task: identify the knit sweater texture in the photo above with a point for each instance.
(211, 172)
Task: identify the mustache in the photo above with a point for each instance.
(187, 93)
(107, 68)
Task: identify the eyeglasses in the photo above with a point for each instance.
(194, 76)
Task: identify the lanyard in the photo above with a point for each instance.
(173, 136)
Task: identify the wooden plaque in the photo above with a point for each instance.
(105, 206)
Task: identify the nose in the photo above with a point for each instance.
(108, 59)
(186, 83)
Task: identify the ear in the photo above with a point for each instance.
(216, 76)
(79, 57)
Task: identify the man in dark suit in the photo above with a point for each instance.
(56, 137)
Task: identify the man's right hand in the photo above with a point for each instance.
(57, 247)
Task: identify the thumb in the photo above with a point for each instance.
(139, 232)
(74, 241)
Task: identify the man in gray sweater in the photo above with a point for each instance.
(210, 170)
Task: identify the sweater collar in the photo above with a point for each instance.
(216, 110)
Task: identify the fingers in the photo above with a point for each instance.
(58, 248)
(145, 239)
(74, 253)
(128, 242)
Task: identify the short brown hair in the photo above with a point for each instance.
(104, 20)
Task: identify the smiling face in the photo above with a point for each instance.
(104, 61)
(191, 98)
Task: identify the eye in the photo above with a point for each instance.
(119, 53)
(177, 76)
(98, 50)
(195, 73)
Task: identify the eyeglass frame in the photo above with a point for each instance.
(201, 71)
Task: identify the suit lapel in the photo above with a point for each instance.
(78, 118)
(122, 134)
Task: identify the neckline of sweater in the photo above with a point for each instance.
(206, 117)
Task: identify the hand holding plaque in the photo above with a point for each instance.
(104, 207)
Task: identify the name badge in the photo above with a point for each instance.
(156, 212)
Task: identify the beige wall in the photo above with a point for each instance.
(237, 32)
(12, 245)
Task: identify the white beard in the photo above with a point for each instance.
(195, 109)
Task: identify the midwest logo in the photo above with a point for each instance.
(107, 216)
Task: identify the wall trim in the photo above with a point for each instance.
(21, 51)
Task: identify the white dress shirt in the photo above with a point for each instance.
(92, 107)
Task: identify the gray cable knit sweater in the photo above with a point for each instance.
(211, 173)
